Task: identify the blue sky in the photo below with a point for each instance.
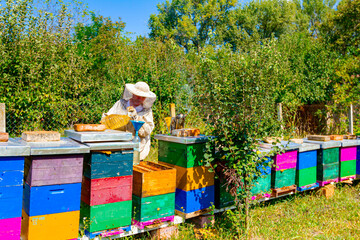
(135, 13)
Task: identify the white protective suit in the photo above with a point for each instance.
(144, 113)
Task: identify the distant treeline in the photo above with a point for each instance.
(61, 64)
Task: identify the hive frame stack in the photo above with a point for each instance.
(153, 194)
(327, 161)
(348, 156)
(51, 199)
(106, 198)
(195, 190)
(11, 188)
(306, 167)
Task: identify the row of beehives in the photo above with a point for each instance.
(302, 167)
(115, 195)
(67, 183)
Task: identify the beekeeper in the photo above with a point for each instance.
(136, 102)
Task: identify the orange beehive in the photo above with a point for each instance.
(150, 179)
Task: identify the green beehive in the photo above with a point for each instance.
(106, 216)
(347, 168)
(328, 156)
(283, 178)
(154, 207)
(183, 155)
(327, 171)
(305, 176)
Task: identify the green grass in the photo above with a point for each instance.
(303, 216)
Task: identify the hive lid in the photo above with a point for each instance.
(305, 147)
(284, 145)
(324, 145)
(108, 135)
(350, 142)
(64, 146)
(111, 145)
(12, 148)
(184, 140)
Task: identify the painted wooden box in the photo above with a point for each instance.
(51, 199)
(328, 156)
(11, 171)
(327, 171)
(104, 165)
(194, 200)
(193, 178)
(222, 197)
(58, 226)
(305, 176)
(10, 202)
(106, 216)
(154, 207)
(348, 153)
(262, 185)
(283, 178)
(306, 160)
(10, 228)
(358, 160)
(264, 170)
(151, 179)
(183, 155)
(285, 160)
(53, 169)
(347, 168)
(106, 190)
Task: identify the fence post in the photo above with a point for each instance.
(351, 120)
(280, 116)
(2, 118)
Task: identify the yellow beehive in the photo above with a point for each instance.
(58, 226)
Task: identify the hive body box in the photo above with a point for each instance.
(51, 200)
(106, 198)
(327, 161)
(306, 166)
(153, 193)
(348, 156)
(11, 188)
(358, 162)
(195, 190)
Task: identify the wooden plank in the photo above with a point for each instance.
(323, 138)
(106, 216)
(40, 136)
(54, 169)
(106, 190)
(57, 226)
(154, 207)
(4, 137)
(194, 200)
(51, 199)
(336, 137)
(349, 136)
(2, 118)
(202, 221)
(284, 190)
(183, 155)
(152, 179)
(193, 214)
(169, 232)
(323, 183)
(10, 228)
(193, 178)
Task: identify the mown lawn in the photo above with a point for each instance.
(302, 216)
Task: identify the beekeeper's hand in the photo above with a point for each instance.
(132, 112)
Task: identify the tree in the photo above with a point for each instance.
(342, 30)
(191, 23)
(316, 11)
